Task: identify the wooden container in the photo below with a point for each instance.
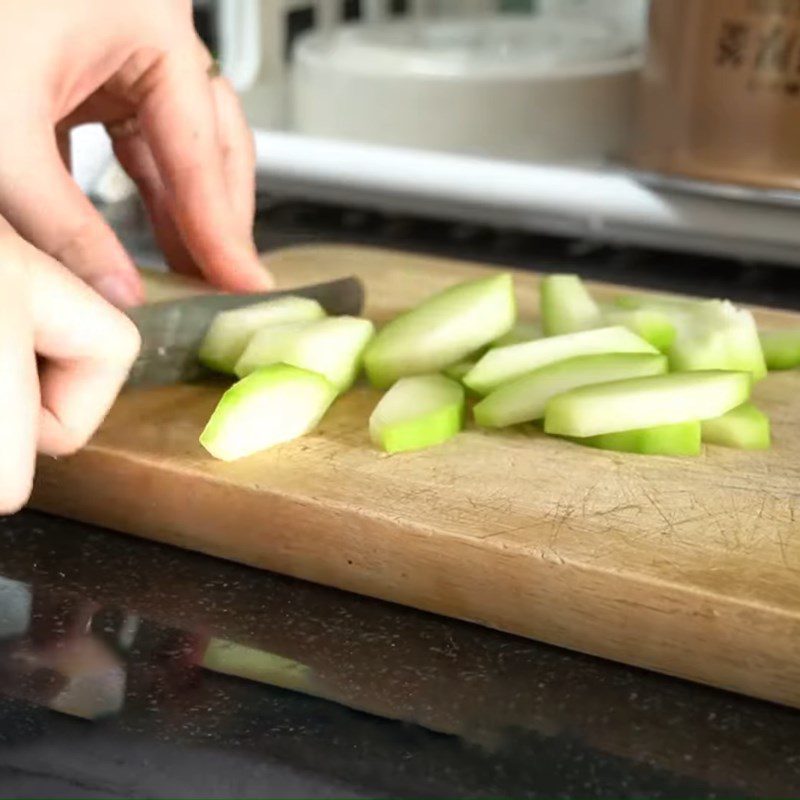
(719, 97)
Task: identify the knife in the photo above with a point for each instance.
(173, 330)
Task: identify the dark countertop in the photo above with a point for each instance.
(346, 696)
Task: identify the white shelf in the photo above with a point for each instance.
(596, 203)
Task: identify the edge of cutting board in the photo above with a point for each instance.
(744, 645)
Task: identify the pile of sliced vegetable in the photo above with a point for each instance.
(644, 374)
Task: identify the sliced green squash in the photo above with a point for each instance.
(565, 305)
(524, 399)
(230, 331)
(418, 411)
(646, 402)
(271, 405)
(503, 364)
(443, 330)
(744, 427)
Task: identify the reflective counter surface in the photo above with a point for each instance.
(131, 669)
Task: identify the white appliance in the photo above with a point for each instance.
(448, 75)
(532, 87)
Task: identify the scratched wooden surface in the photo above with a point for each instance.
(686, 566)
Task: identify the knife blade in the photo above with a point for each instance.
(172, 330)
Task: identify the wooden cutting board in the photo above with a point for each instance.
(685, 566)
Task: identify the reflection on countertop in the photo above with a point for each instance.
(180, 649)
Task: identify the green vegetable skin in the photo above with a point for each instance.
(521, 332)
(504, 364)
(230, 331)
(710, 334)
(745, 428)
(459, 370)
(717, 335)
(566, 306)
(443, 330)
(524, 399)
(332, 346)
(417, 412)
(604, 387)
(652, 325)
(646, 402)
(271, 405)
(781, 349)
(267, 346)
(681, 439)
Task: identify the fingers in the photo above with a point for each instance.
(87, 347)
(64, 148)
(177, 114)
(19, 390)
(238, 160)
(134, 155)
(42, 202)
(238, 151)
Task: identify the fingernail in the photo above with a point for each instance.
(120, 289)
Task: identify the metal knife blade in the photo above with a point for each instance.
(172, 330)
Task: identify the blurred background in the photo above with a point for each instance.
(666, 124)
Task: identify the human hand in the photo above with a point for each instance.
(139, 68)
(84, 348)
